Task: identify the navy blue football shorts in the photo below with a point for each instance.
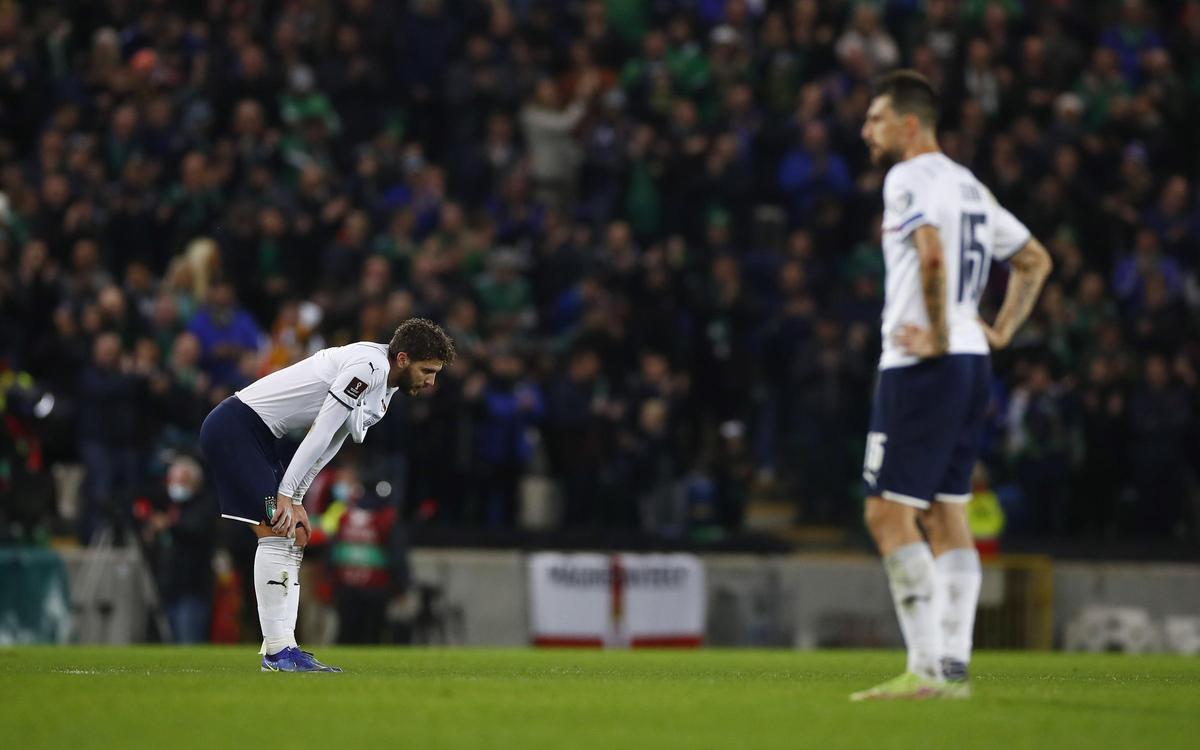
(926, 425)
(240, 453)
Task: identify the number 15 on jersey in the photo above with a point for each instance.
(974, 261)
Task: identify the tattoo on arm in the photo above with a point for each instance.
(933, 285)
(1019, 298)
(933, 282)
(1030, 268)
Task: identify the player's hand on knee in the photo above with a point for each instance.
(283, 522)
(303, 527)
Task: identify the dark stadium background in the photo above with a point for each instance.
(651, 228)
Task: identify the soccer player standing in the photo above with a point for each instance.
(335, 393)
(941, 230)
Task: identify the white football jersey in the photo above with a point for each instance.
(336, 392)
(933, 190)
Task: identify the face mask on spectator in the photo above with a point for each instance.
(179, 493)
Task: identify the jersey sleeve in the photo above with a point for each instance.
(337, 418)
(906, 203)
(324, 438)
(355, 385)
(1010, 234)
(352, 382)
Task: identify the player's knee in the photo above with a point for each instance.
(931, 521)
(946, 525)
(869, 516)
(952, 513)
(880, 516)
(891, 524)
(945, 515)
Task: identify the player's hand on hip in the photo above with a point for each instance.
(916, 341)
(995, 339)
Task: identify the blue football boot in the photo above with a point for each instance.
(292, 659)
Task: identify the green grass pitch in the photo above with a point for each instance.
(174, 698)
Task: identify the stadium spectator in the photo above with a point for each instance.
(1041, 446)
(582, 412)
(865, 37)
(1160, 419)
(226, 333)
(179, 526)
(506, 406)
(554, 152)
(108, 419)
(1102, 475)
(369, 556)
(582, 183)
(812, 173)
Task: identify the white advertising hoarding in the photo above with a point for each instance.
(620, 600)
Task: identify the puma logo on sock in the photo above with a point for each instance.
(282, 584)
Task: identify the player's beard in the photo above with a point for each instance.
(411, 384)
(883, 158)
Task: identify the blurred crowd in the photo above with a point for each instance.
(651, 228)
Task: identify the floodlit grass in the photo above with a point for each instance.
(464, 698)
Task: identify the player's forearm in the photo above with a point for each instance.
(321, 442)
(322, 462)
(1018, 303)
(296, 477)
(933, 287)
(1030, 268)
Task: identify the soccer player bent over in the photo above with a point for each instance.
(336, 392)
(941, 230)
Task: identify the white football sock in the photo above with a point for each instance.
(960, 576)
(913, 579)
(294, 601)
(276, 586)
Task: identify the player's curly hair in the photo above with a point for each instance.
(422, 339)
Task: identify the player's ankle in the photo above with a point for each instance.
(954, 669)
(272, 646)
